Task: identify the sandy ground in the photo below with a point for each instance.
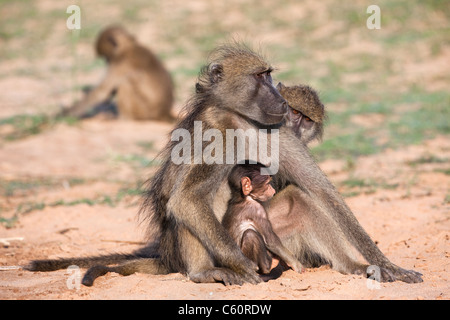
(410, 223)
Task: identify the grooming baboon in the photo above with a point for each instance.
(235, 91)
(246, 218)
(136, 79)
(306, 113)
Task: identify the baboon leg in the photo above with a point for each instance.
(199, 265)
(299, 168)
(312, 235)
(253, 247)
(313, 251)
(100, 94)
(142, 265)
(108, 108)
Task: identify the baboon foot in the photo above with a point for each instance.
(408, 276)
(226, 276)
(394, 273)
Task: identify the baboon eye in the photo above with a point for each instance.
(260, 75)
(264, 74)
(307, 119)
(294, 111)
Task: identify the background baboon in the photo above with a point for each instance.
(246, 218)
(235, 91)
(138, 81)
(306, 113)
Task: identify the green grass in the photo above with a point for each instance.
(113, 200)
(402, 127)
(353, 186)
(350, 145)
(11, 188)
(447, 199)
(24, 125)
(444, 171)
(135, 160)
(428, 159)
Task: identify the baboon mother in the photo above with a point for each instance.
(235, 91)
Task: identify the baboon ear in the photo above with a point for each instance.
(246, 185)
(215, 73)
(280, 86)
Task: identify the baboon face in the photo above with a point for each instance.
(248, 180)
(301, 124)
(112, 41)
(241, 80)
(263, 192)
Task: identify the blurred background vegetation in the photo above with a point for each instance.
(382, 88)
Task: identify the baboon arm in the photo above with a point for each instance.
(190, 207)
(189, 211)
(101, 93)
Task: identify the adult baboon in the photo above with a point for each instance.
(235, 91)
(136, 78)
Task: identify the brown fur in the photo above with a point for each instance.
(247, 222)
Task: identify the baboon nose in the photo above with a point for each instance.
(284, 107)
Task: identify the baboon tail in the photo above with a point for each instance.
(86, 262)
(142, 265)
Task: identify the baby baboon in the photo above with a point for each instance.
(246, 218)
(306, 113)
(138, 81)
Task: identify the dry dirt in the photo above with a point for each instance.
(410, 223)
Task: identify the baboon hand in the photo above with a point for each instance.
(248, 272)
